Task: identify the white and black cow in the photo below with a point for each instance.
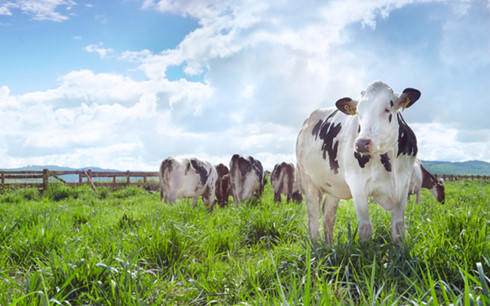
(421, 178)
(283, 182)
(187, 178)
(356, 150)
(247, 178)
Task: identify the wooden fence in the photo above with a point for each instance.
(147, 180)
(42, 179)
(450, 177)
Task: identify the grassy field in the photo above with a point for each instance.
(80, 246)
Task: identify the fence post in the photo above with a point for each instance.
(3, 178)
(45, 179)
(80, 178)
(128, 177)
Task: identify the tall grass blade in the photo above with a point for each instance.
(483, 280)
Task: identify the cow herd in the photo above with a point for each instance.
(243, 180)
(358, 149)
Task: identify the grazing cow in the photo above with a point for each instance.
(247, 178)
(223, 187)
(187, 178)
(356, 150)
(283, 182)
(421, 178)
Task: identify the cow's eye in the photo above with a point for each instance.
(387, 110)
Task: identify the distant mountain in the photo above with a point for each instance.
(473, 167)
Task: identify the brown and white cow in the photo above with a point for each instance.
(247, 178)
(358, 149)
(187, 178)
(421, 178)
(283, 182)
(223, 186)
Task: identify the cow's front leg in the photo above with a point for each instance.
(398, 223)
(329, 211)
(364, 225)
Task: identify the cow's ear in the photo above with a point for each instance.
(408, 97)
(347, 106)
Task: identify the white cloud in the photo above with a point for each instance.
(38, 9)
(102, 52)
(439, 142)
(263, 68)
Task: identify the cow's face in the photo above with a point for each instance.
(376, 112)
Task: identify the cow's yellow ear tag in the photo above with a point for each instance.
(352, 110)
(407, 101)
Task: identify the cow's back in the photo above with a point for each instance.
(186, 178)
(320, 151)
(246, 177)
(282, 178)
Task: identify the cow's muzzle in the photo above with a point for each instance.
(363, 145)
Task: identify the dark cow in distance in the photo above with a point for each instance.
(358, 149)
(187, 178)
(421, 178)
(247, 178)
(283, 182)
(223, 186)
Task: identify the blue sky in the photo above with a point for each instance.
(124, 84)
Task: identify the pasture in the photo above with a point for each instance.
(125, 247)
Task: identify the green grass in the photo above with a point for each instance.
(125, 247)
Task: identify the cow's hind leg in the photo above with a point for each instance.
(330, 206)
(313, 201)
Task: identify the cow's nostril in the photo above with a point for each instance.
(363, 145)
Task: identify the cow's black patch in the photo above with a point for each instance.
(407, 142)
(166, 166)
(390, 117)
(244, 165)
(362, 159)
(200, 169)
(327, 131)
(385, 160)
(317, 127)
(257, 167)
(391, 103)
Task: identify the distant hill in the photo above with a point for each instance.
(56, 168)
(474, 167)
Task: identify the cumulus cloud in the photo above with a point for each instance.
(38, 9)
(261, 67)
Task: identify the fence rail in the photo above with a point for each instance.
(42, 179)
(450, 177)
(147, 180)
